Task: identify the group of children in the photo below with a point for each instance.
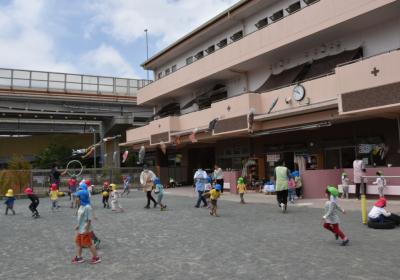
(380, 182)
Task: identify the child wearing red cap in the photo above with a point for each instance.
(331, 218)
(54, 196)
(105, 193)
(34, 202)
(379, 218)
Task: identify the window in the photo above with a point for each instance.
(210, 49)
(159, 75)
(199, 55)
(276, 16)
(237, 36)
(308, 2)
(222, 43)
(167, 71)
(294, 7)
(189, 60)
(173, 68)
(262, 23)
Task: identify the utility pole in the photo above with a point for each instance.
(147, 52)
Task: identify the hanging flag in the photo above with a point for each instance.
(141, 155)
(192, 136)
(163, 147)
(212, 124)
(125, 156)
(250, 119)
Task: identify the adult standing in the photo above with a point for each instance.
(146, 180)
(281, 174)
(359, 170)
(219, 176)
(55, 175)
(200, 177)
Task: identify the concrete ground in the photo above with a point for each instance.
(251, 241)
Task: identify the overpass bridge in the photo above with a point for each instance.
(38, 102)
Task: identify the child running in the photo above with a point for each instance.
(10, 199)
(241, 188)
(53, 196)
(84, 230)
(331, 218)
(127, 180)
(291, 189)
(34, 202)
(115, 205)
(299, 184)
(159, 191)
(105, 192)
(345, 185)
(72, 184)
(208, 188)
(214, 195)
(381, 182)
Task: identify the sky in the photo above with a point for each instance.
(95, 37)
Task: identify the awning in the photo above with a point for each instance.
(328, 64)
(286, 77)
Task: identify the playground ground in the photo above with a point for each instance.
(251, 241)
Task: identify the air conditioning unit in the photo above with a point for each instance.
(262, 23)
(277, 16)
(294, 7)
(237, 36)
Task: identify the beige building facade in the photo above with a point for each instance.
(313, 83)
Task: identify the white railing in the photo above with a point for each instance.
(15, 79)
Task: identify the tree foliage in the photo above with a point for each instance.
(53, 153)
(17, 176)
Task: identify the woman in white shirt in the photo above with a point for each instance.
(379, 218)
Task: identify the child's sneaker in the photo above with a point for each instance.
(77, 259)
(95, 260)
(344, 242)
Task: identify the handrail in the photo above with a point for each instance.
(69, 83)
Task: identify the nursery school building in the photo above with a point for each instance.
(313, 83)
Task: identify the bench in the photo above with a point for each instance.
(373, 189)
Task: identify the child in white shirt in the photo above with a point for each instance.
(345, 185)
(381, 182)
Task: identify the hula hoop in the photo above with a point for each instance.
(74, 174)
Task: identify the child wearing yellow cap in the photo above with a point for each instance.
(115, 205)
(241, 188)
(10, 201)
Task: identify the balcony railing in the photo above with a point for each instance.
(69, 83)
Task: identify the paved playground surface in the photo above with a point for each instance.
(251, 241)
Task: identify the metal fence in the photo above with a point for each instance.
(39, 179)
(69, 83)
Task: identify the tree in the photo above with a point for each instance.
(17, 176)
(53, 153)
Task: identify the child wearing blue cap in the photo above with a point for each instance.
(214, 194)
(159, 191)
(84, 235)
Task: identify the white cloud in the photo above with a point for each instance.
(23, 42)
(107, 61)
(126, 20)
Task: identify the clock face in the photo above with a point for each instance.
(299, 93)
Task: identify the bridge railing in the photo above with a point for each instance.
(15, 79)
